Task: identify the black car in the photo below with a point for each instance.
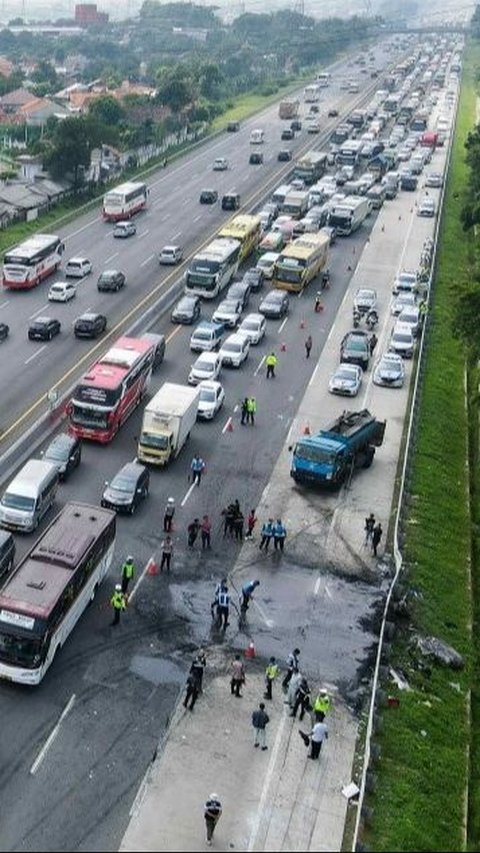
(65, 451)
(314, 109)
(296, 125)
(284, 156)
(332, 113)
(128, 487)
(256, 158)
(288, 133)
(208, 196)
(4, 330)
(43, 329)
(89, 325)
(233, 126)
(240, 290)
(187, 311)
(255, 278)
(231, 201)
(111, 280)
(355, 348)
(275, 304)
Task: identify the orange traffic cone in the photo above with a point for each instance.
(306, 430)
(250, 650)
(152, 567)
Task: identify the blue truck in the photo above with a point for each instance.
(330, 457)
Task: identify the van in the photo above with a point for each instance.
(7, 552)
(78, 267)
(231, 201)
(257, 137)
(207, 336)
(377, 195)
(278, 196)
(29, 496)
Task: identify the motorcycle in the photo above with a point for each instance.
(371, 319)
(326, 279)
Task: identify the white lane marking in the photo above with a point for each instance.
(189, 492)
(53, 734)
(227, 425)
(4, 303)
(279, 739)
(165, 218)
(39, 311)
(147, 261)
(282, 326)
(107, 260)
(317, 585)
(175, 236)
(236, 408)
(312, 378)
(80, 230)
(140, 579)
(196, 218)
(143, 234)
(35, 354)
(289, 433)
(260, 365)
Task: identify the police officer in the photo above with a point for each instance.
(267, 533)
(271, 362)
(251, 410)
(218, 589)
(271, 673)
(197, 466)
(321, 706)
(244, 418)
(128, 571)
(279, 534)
(223, 606)
(168, 515)
(118, 603)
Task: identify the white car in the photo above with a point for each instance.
(434, 179)
(212, 397)
(426, 207)
(267, 262)
(220, 164)
(78, 267)
(170, 255)
(346, 380)
(228, 312)
(406, 280)
(313, 127)
(207, 366)
(406, 299)
(234, 350)
(62, 291)
(253, 327)
(402, 341)
(389, 371)
(411, 317)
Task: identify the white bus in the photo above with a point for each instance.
(31, 261)
(124, 201)
(213, 268)
(349, 152)
(311, 93)
(43, 598)
(257, 136)
(324, 78)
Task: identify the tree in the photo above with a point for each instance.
(45, 73)
(73, 141)
(211, 79)
(107, 110)
(175, 88)
(465, 322)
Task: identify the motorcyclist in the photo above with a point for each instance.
(325, 279)
(318, 301)
(372, 318)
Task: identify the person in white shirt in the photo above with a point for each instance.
(318, 734)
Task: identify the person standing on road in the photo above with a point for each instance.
(260, 721)
(229, 517)
(238, 676)
(218, 589)
(198, 467)
(192, 691)
(168, 516)
(302, 699)
(279, 534)
(308, 346)
(376, 537)
(192, 530)
(205, 529)
(118, 603)
(292, 667)
(321, 706)
(251, 410)
(318, 734)
(223, 606)
(128, 572)
(244, 418)
(238, 525)
(271, 673)
(251, 522)
(271, 362)
(267, 533)
(213, 811)
(198, 667)
(167, 551)
(369, 525)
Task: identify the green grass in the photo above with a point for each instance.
(423, 772)
(251, 102)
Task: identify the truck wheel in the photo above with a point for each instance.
(369, 457)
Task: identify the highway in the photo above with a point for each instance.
(73, 790)
(174, 215)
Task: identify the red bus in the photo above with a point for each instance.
(111, 389)
(31, 261)
(124, 201)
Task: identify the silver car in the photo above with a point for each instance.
(365, 300)
(403, 300)
(346, 380)
(389, 371)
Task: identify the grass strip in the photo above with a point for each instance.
(423, 771)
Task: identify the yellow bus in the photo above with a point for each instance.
(301, 261)
(246, 228)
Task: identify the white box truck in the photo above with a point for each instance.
(167, 421)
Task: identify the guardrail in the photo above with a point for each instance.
(399, 517)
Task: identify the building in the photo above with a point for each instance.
(87, 15)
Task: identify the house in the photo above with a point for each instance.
(8, 214)
(20, 196)
(6, 67)
(12, 101)
(36, 112)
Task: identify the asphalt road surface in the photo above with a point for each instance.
(74, 791)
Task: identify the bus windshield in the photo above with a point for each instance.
(20, 651)
(89, 417)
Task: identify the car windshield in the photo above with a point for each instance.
(402, 338)
(356, 344)
(250, 325)
(204, 365)
(344, 373)
(231, 347)
(228, 307)
(57, 452)
(13, 501)
(365, 294)
(122, 483)
(207, 395)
